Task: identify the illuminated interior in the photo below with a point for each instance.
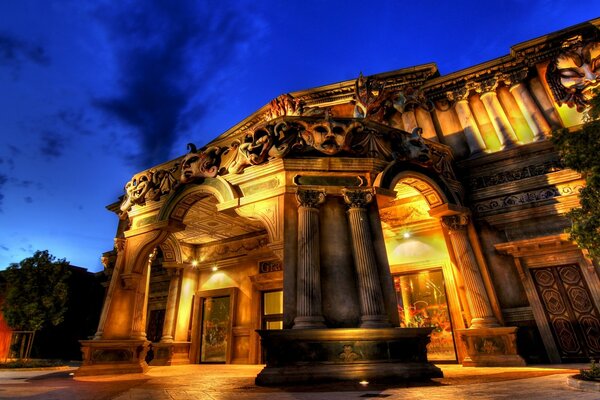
(416, 251)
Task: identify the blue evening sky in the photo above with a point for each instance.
(92, 92)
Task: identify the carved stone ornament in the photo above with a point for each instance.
(196, 165)
(371, 99)
(284, 105)
(358, 198)
(148, 185)
(308, 136)
(310, 198)
(456, 222)
(574, 74)
(119, 244)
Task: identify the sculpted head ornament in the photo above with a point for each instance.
(200, 164)
(574, 74)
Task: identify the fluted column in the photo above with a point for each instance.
(479, 302)
(372, 308)
(140, 310)
(172, 300)
(533, 115)
(309, 313)
(120, 247)
(498, 118)
(409, 120)
(467, 122)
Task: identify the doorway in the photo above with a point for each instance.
(573, 318)
(215, 327)
(422, 303)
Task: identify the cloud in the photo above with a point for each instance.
(14, 52)
(28, 199)
(52, 144)
(3, 180)
(170, 58)
(3, 247)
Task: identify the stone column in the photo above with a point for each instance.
(467, 121)
(409, 120)
(140, 310)
(498, 118)
(479, 302)
(309, 314)
(120, 247)
(533, 115)
(372, 308)
(171, 311)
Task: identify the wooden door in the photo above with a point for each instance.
(572, 315)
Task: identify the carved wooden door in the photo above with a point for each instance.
(570, 310)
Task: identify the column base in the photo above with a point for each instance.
(313, 322)
(103, 357)
(329, 355)
(374, 321)
(491, 347)
(173, 353)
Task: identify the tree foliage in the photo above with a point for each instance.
(36, 292)
(580, 150)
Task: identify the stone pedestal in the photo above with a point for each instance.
(296, 356)
(491, 347)
(173, 353)
(101, 357)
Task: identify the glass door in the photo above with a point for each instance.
(422, 303)
(215, 329)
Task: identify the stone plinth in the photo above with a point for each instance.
(491, 347)
(355, 354)
(175, 353)
(101, 357)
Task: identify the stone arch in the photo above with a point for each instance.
(171, 250)
(184, 197)
(435, 188)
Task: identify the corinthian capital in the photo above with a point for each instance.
(456, 222)
(458, 94)
(488, 85)
(358, 198)
(310, 198)
(119, 244)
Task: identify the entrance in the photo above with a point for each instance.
(215, 326)
(422, 303)
(573, 318)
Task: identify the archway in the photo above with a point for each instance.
(208, 304)
(425, 275)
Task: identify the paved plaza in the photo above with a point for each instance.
(220, 382)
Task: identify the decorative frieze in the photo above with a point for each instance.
(516, 174)
(293, 136)
(523, 198)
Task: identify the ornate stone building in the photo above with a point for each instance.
(340, 218)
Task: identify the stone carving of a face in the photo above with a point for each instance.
(574, 74)
(190, 167)
(328, 139)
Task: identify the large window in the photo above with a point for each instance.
(422, 303)
(272, 310)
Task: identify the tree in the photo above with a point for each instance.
(579, 150)
(36, 292)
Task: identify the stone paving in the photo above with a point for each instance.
(221, 382)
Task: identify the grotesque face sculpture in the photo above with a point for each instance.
(328, 139)
(574, 75)
(190, 167)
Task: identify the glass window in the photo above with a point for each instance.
(422, 303)
(215, 329)
(273, 302)
(272, 310)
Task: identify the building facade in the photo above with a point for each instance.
(396, 201)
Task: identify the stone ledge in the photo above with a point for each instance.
(588, 386)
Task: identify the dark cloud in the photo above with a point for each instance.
(52, 144)
(170, 58)
(2, 247)
(22, 183)
(15, 51)
(76, 120)
(28, 199)
(3, 180)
